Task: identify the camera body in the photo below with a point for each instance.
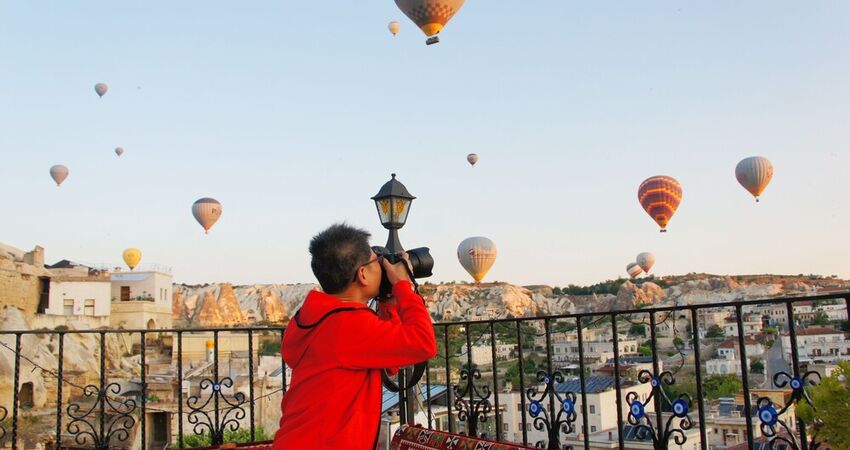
(420, 259)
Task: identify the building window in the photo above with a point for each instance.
(68, 307)
(593, 409)
(89, 307)
(593, 428)
(125, 293)
(505, 427)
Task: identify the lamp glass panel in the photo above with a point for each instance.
(384, 210)
(399, 209)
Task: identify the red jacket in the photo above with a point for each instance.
(336, 350)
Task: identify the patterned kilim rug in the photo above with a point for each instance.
(417, 438)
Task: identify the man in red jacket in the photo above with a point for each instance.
(337, 346)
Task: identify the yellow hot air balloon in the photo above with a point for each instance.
(394, 27)
(430, 15)
(754, 173)
(476, 255)
(132, 256)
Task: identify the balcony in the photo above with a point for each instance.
(194, 387)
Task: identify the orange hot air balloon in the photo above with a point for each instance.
(660, 196)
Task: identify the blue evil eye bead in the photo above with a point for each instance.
(216, 387)
(535, 408)
(768, 415)
(636, 410)
(654, 382)
(568, 407)
(546, 379)
(796, 383)
(680, 408)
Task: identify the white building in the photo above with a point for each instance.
(817, 344)
(78, 296)
(595, 351)
(482, 356)
(601, 405)
(752, 325)
(141, 300)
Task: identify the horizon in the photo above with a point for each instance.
(293, 116)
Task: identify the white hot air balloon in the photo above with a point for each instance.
(101, 89)
(754, 173)
(59, 173)
(206, 211)
(634, 270)
(477, 255)
(645, 260)
(394, 27)
(119, 151)
(472, 158)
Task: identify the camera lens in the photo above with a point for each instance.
(422, 262)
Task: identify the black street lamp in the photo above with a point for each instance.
(393, 203)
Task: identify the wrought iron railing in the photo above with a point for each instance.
(549, 409)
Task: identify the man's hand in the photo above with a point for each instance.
(397, 272)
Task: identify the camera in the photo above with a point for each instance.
(420, 259)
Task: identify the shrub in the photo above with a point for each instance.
(832, 397)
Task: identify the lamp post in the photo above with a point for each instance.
(393, 204)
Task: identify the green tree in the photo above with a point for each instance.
(716, 386)
(678, 342)
(821, 319)
(270, 348)
(832, 398)
(757, 367)
(644, 350)
(638, 329)
(715, 331)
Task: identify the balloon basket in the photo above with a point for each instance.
(432, 40)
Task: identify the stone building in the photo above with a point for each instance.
(24, 282)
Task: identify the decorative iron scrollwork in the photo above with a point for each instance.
(565, 417)
(220, 420)
(676, 424)
(106, 419)
(3, 414)
(475, 410)
(773, 427)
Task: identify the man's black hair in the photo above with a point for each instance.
(337, 253)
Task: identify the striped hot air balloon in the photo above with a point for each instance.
(634, 270)
(477, 255)
(660, 196)
(754, 173)
(645, 260)
(206, 211)
(430, 15)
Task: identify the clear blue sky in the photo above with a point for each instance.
(293, 114)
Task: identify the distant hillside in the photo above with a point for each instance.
(226, 305)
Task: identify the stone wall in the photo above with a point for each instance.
(19, 278)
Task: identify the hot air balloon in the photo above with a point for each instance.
(206, 211)
(645, 260)
(472, 158)
(754, 173)
(59, 173)
(132, 256)
(476, 255)
(660, 196)
(119, 151)
(634, 270)
(430, 15)
(394, 27)
(101, 89)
